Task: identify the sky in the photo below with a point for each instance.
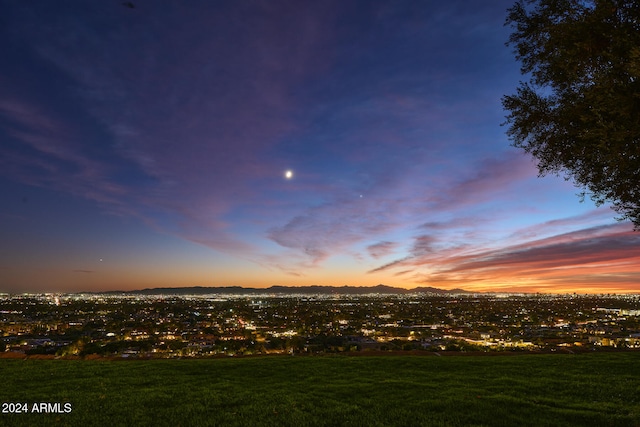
(261, 143)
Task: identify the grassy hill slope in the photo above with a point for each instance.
(537, 390)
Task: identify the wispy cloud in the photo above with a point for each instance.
(199, 139)
(47, 152)
(331, 228)
(609, 254)
(382, 249)
(185, 118)
(193, 138)
(402, 262)
(400, 202)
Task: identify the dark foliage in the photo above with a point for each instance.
(579, 113)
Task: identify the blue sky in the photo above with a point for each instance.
(148, 146)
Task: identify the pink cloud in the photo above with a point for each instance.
(58, 158)
(200, 111)
(400, 202)
(489, 177)
(606, 255)
(381, 249)
(194, 115)
(584, 247)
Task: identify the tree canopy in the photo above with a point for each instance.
(579, 113)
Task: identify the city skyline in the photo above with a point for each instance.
(280, 143)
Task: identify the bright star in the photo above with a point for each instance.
(288, 174)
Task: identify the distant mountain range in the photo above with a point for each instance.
(280, 290)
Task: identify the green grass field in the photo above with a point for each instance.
(599, 389)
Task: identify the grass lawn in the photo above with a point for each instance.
(599, 389)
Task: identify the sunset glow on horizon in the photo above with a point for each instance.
(280, 143)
